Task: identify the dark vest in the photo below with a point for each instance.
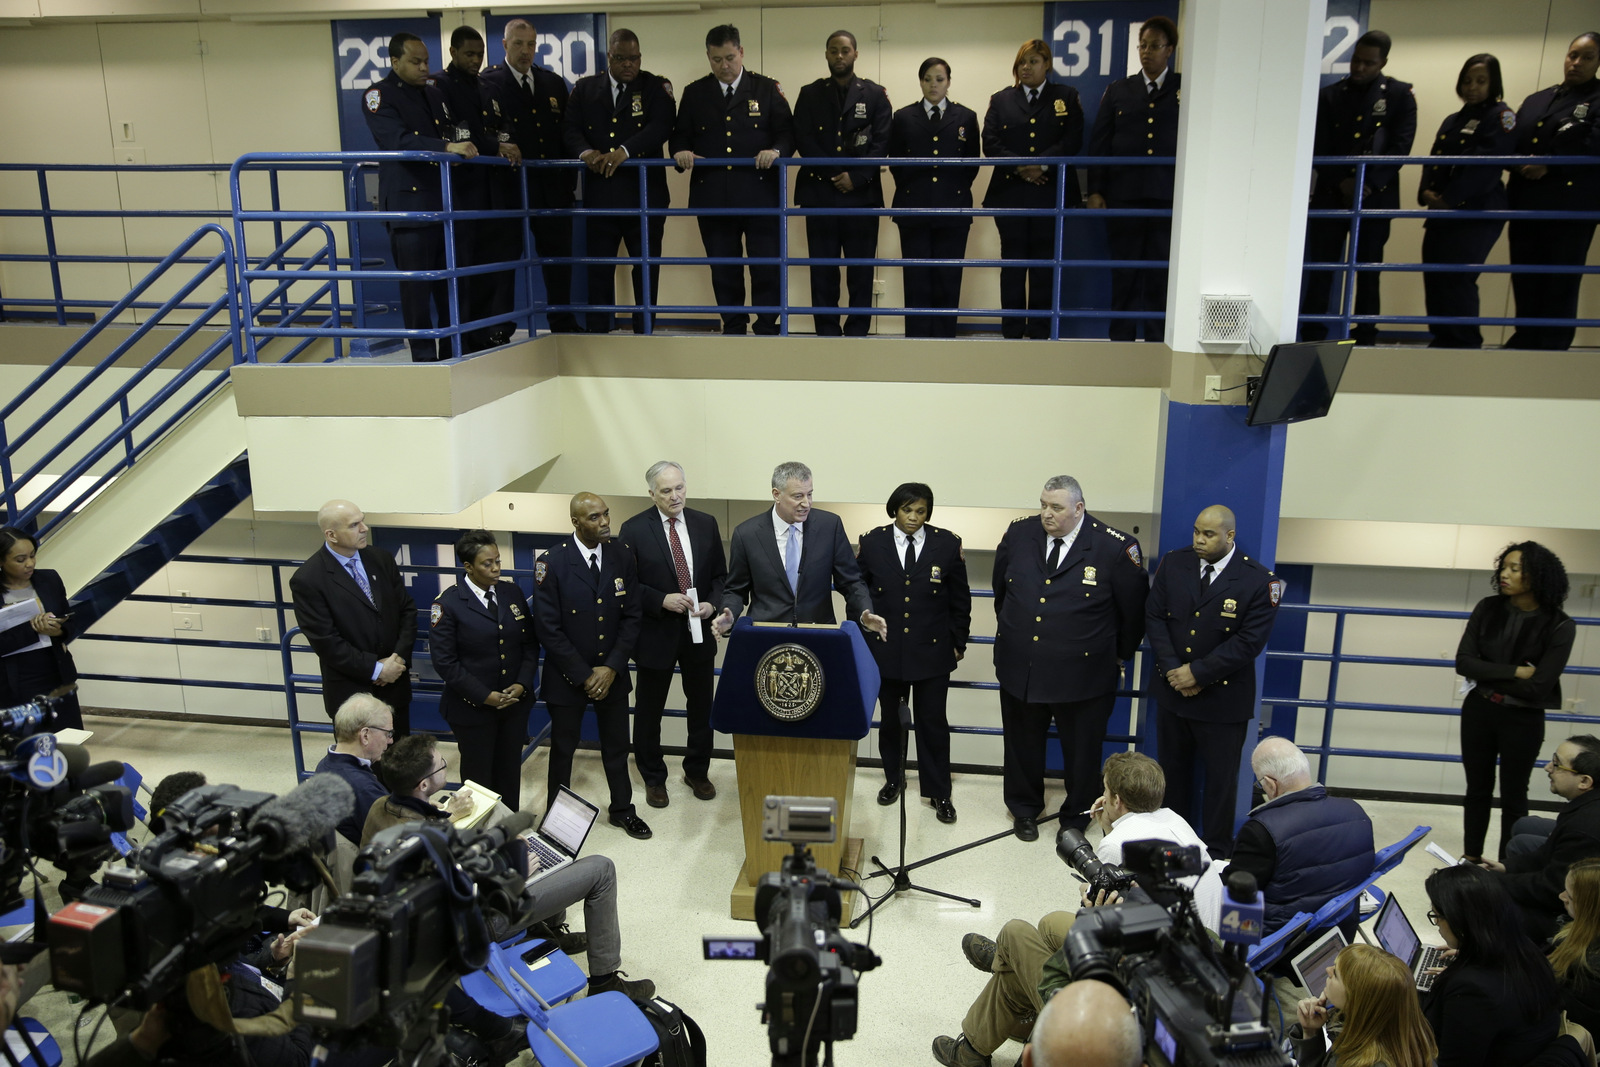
(1324, 847)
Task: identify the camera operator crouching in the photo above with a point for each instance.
(1026, 964)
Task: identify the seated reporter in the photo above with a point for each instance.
(1025, 964)
(481, 638)
(1302, 846)
(916, 574)
(1370, 1006)
(1086, 1024)
(1497, 1001)
(415, 771)
(1541, 850)
(1575, 951)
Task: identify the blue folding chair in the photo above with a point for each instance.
(49, 1051)
(603, 1030)
(1267, 953)
(555, 978)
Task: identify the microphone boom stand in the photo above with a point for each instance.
(901, 874)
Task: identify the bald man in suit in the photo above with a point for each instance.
(354, 608)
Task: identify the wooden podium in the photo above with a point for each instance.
(775, 755)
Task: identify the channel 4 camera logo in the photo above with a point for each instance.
(571, 55)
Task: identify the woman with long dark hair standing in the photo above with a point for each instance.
(33, 654)
(1514, 649)
(1496, 1003)
(1484, 126)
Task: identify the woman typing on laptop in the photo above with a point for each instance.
(1370, 1006)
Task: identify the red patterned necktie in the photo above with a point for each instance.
(679, 561)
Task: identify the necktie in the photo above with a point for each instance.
(1205, 577)
(727, 96)
(490, 599)
(1150, 88)
(353, 565)
(594, 566)
(911, 553)
(933, 113)
(680, 562)
(1033, 97)
(1055, 554)
(791, 558)
(621, 101)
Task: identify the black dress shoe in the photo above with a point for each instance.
(656, 796)
(1026, 827)
(945, 810)
(889, 793)
(638, 829)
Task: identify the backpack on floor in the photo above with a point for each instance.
(682, 1043)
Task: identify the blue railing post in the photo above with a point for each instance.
(453, 294)
(1055, 269)
(48, 218)
(1333, 694)
(1352, 254)
(646, 268)
(783, 251)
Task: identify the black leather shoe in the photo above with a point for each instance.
(638, 829)
(656, 796)
(1026, 827)
(945, 810)
(889, 793)
(702, 787)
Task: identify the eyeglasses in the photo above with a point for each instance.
(383, 730)
(437, 769)
(1557, 765)
(1433, 917)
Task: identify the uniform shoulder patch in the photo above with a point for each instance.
(373, 98)
(436, 614)
(1275, 589)
(1508, 119)
(1133, 554)
(540, 569)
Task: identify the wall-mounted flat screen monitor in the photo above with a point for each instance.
(1298, 382)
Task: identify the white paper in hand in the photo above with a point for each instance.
(696, 633)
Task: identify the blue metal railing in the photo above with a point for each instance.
(1347, 270)
(1132, 690)
(60, 430)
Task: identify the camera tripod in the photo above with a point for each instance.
(902, 873)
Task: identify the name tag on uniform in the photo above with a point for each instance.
(1230, 609)
(935, 574)
(861, 110)
(1089, 576)
(463, 134)
(617, 583)
(755, 107)
(1471, 127)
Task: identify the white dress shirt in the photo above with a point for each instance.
(590, 553)
(481, 594)
(1158, 81)
(780, 529)
(1168, 825)
(1066, 542)
(920, 537)
(1216, 568)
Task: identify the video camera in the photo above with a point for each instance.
(54, 805)
(425, 906)
(192, 896)
(811, 973)
(1199, 1004)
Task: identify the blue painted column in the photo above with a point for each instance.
(1209, 456)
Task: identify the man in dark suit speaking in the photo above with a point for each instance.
(1209, 615)
(355, 610)
(681, 571)
(785, 562)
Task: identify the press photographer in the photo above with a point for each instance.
(1129, 809)
(811, 997)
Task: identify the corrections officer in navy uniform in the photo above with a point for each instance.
(625, 113)
(917, 576)
(469, 186)
(1485, 126)
(481, 641)
(1363, 114)
(406, 114)
(526, 107)
(1035, 117)
(933, 126)
(586, 614)
(1138, 116)
(1210, 612)
(1069, 594)
(1558, 121)
(844, 117)
(738, 114)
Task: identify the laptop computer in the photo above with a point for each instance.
(561, 833)
(1398, 937)
(1311, 964)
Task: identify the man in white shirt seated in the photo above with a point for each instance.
(1129, 809)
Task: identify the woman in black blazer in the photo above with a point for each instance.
(487, 657)
(46, 664)
(1496, 1003)
(1033, 118)
(933, 126)
(1514, 649)
(928, 605)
